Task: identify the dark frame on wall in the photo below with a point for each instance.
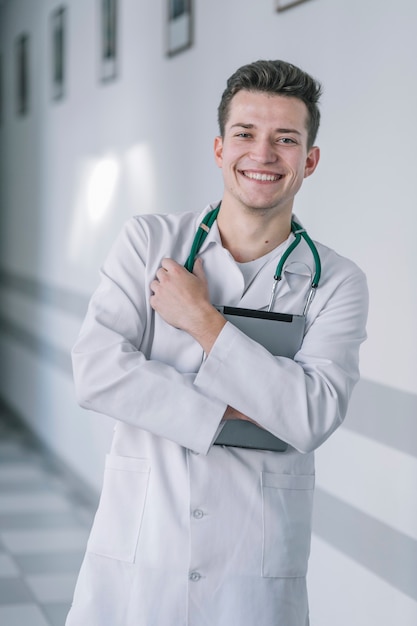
(58, 52)
(179, 27)
(283, 5)
(108, 39)
(1, 90)
(22, 74)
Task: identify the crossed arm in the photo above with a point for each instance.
(182, 300)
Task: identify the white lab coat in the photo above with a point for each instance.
(186, 533)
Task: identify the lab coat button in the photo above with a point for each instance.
(198, 514)
(195, 577)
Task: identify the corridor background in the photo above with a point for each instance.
(73, 170)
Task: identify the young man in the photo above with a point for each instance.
(189, 533)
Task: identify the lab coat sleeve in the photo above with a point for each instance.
(111, 372)
(301, 401)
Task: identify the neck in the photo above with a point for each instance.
(251, 234)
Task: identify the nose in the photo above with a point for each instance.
(262, 151)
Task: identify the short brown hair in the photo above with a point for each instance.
(274, 77)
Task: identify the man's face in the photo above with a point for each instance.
(263, 153)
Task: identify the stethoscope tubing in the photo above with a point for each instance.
(297, 230)
(200, 236)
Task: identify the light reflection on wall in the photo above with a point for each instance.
(108, 190)
(101, 187)
(96, 188)
(140, 178)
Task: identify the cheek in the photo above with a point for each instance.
(230, 155)
(299, 169)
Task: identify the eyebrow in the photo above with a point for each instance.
(278, 130)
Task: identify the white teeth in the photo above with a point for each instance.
(262, 177)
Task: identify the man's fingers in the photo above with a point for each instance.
(198, 269)
(170, 265)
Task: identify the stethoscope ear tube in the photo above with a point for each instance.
(310, 298)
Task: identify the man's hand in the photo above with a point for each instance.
(182, 300)
(233, 414)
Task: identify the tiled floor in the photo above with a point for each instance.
(45, 516)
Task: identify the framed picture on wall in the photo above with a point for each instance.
(179, 25)
(58, 52)
(1, 90)
(22, 74)
(108, 39)
(282, 5)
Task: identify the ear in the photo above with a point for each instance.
(218, 151)
(312, 160)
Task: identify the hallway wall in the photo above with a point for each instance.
(72, 171)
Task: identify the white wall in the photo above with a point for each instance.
(155, 126)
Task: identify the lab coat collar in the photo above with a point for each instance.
(300, 264)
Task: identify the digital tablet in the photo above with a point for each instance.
(281, 334)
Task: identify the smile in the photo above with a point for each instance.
(261, 176)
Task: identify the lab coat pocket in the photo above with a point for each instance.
(287, 512)
(117, 523)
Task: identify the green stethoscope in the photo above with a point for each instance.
(297, 230)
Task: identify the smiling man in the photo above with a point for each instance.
(190, 532)
(265, 140)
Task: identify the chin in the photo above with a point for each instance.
(262, 208)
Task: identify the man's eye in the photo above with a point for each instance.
(286, 140)
(244, 135)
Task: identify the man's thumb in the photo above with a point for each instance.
(198, 269)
